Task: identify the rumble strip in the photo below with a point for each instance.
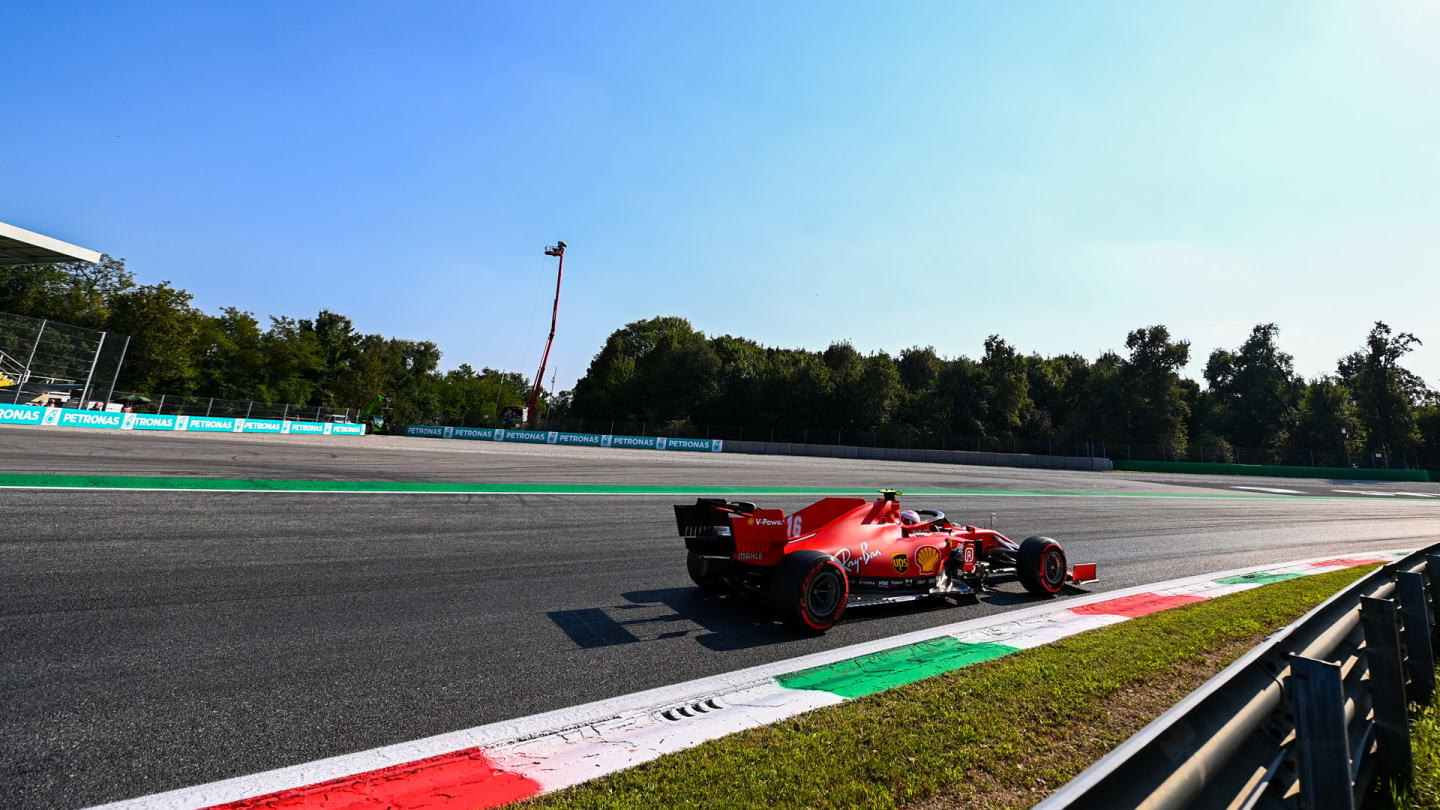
(496, 764)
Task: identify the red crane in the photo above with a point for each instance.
(558, 250)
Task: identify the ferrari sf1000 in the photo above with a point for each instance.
(839, 552)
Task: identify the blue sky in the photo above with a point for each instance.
(889, 173)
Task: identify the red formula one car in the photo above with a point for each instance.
(848, 552)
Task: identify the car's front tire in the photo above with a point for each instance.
(808, 591)
(1040, 564)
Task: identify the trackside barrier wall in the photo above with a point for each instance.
(69, 417)
(932, 456)
(559, 438)
(1315, 717)
(766, 448)
(1277, 471)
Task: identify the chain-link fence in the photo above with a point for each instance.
(48, 362)
(43, 360)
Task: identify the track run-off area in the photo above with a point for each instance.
(164, 636)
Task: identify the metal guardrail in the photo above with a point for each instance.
(1313, 718)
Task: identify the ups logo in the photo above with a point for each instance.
(901, 562)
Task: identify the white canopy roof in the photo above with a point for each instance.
(19, 246)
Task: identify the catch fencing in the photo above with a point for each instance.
(1315, 718)
(44, 360)
(40, 357)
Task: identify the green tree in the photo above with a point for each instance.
(864, 390)
(921, 404)
(292, 361)
(1254, 390)
(845, 365)
(411, 381)
(1385, 392)
(363, 376)
(1427, 419)
(739, 388)
(1157, 411)
(876, 394)
(659, 370)
(164, 335)
(229, 359)
(1006, 389)
(474, 398)
(337, 348)
(1328, 424)
(1103, 402)
(1207, 427)
(1051, 383)
(800, 388)
(77, 293)
(919, 368)
(958, 399)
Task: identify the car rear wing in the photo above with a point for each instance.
(709, 517)
(735, 529)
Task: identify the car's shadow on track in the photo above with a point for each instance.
(725, 622)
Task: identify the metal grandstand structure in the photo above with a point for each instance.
(41, 360)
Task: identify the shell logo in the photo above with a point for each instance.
(927, 557)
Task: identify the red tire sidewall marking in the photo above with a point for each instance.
(1045, 580)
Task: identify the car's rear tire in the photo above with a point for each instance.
(1040, 564)
(708, 582)
(808, 591)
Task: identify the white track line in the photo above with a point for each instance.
(1273, 490)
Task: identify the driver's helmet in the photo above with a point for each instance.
(909, 517)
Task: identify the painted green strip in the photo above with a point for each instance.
(1257, 578)
(265, 485)
(877, 672)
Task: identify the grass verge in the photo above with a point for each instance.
(1423, 792)
(1004, 733)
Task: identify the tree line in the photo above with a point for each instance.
(177, 349)
(664, 373)
(663, 370)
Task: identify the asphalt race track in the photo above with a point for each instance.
(77, 451)
(155, 640)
